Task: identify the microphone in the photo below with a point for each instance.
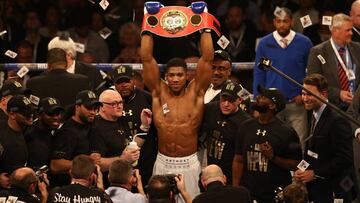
(264, 63)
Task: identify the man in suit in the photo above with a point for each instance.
(57, 82)
(328, 148)
(338, 61)
(65, 43)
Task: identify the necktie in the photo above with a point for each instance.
(343, 79)
(312, 129)
(284, 42)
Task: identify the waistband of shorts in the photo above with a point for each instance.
(193, 158)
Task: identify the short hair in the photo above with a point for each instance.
(338, 20)
(66, 44)
(287, 11)
(120, 172)
(158, 188)
(175, 62)
(134, 28)
(317, 80)
(56, 56)
(22, 178)
(82, 167)
(295, 193)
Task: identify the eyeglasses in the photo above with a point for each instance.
(114, 104)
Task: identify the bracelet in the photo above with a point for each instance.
(144, 128)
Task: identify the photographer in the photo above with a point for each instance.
(163, 188)
(84, 174)
(23, 186)
(122, 178)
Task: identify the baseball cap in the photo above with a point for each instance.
(222, 55)
(87, 98)
(122, 72)
(12, 88)
(231, 90)
(275, 95)
(21, 104)
(49, 105)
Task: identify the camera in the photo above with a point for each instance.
(42, 170)
(172, 181)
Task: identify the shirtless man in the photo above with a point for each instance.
(178, 110)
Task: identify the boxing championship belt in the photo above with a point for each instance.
(178, 21)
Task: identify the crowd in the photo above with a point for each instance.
(74, 133)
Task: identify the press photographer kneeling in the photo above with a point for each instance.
(163, 188)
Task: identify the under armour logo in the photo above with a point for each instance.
(262, 133)
(129, 113)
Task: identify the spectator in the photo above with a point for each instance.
(57, 82)
(122, 177)
(295, 193)
(73, 66)
(329, 150)
(162, 188)
(241, 34)
(84, 174)
(39, 135)
(24, 184)
(267, 149)
(135, 100)
(217, 191)
(221, 70)
(52, 22)
(14, 151)
(355, 17)
(220, 124)
(7, 91)
(129, 39)
(306, 8)
(92, 41)
(72, 138)
(341, 73)
(288, 52)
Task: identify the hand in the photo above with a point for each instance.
(146, 117)
(131, 155)
(96, 157)
(304, 176)
(99, 178)
(297, 100)
(4, 180)
(267, 150)
(346, 96)
(180, 184)
(42, 188)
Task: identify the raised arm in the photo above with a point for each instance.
(204, 68)
(150, 67)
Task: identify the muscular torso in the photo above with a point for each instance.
(178, 128)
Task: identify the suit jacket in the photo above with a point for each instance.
(333, 165)
(59, 84)
(95, 78)
(329, 69)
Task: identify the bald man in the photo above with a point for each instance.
(214, 181)
(110, 133)
(355, 18)
(23, 186)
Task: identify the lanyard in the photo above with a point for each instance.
(348, 74)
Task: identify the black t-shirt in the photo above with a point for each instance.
(17, 195)
(71, 140)
(261, 176)
(75, 193)
(109, 138)
(13, 149)
(38, 140)
(221, 136)
(133, 106)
